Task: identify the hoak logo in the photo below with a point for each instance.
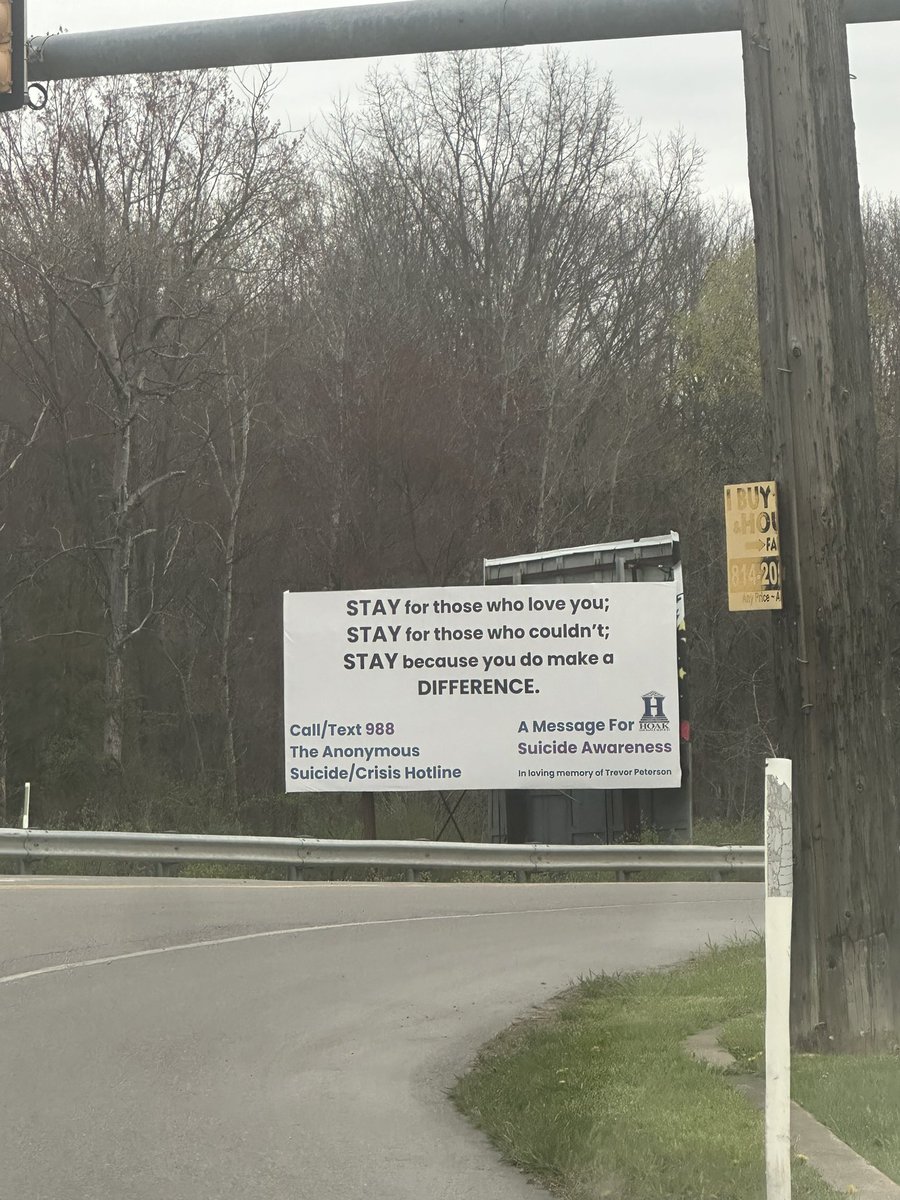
(654, 719)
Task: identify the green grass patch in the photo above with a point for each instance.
(596, 1097)
(857, 1097)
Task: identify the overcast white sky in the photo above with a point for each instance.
(688, 82)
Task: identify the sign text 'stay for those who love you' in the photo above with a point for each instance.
(481, 687)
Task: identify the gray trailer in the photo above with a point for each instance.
(592, 815)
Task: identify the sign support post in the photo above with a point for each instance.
(779, 905)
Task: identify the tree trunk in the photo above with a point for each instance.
(830, 665)
(119, 567)
(367, 815)
(236, 495)
(540, 525)
(121, 545)
(336, 531)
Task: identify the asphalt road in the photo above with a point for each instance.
(199, 1040)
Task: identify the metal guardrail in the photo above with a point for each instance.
(30, 846)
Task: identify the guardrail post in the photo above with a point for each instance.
(412, 875)
(521, 877)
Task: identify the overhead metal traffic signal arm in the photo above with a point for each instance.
(363, 31)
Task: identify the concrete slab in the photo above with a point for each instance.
(838, 1164)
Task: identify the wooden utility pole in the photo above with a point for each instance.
(829, 642)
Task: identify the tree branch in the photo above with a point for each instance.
(39, 637)
(139, 493)
(15, 462)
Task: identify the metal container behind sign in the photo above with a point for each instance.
(589, 815)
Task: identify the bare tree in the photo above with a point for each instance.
(15, 442)
(543, 253)
(132, 197)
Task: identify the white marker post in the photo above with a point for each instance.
(779, 904)
(26, 806)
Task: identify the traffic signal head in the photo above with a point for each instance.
(12, 54)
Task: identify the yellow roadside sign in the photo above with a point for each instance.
(752, 546)
(6, 46)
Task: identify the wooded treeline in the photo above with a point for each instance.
(469, 317)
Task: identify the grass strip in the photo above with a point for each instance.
(857, 1097)
(596, 1098)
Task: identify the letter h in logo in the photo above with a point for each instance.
(654, 717)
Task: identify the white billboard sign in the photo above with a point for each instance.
(569, 685)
